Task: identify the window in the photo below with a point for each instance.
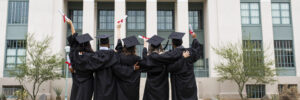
(9, 91)
(76, 17)
(284, 55)
(250, 13)
(284, 87)
(165, 20)
(255, 91)
(136, 20)
(257, 44)
(281, 13)
(194, 19)
(18, 12)
(15, 54)
(106, 19)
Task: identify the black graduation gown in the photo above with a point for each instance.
(157, 83)
(82, 86)
(128, 80)
(105, 83)
(183, 80)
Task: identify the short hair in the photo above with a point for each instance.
(104, 41)
(177, 42)
(85, 47)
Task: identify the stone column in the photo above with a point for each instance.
(268, 39)
(3, 23)
(151, 18)
(182, 20)
(120, 12)
(90, 20)
(296, 24)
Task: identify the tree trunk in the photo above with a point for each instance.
(58, 98)
(241, 88)
(241, 95)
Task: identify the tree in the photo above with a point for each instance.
(38, 67)
(245, 62)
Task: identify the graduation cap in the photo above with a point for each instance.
(130, 41)
(84, 38)
(103, 38)
(155, 40)
(176, 35)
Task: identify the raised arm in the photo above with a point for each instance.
(71, 26)
(119, 45)
(196, 51)
(118, 31)
(145, 52)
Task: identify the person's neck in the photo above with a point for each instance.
(105, 45)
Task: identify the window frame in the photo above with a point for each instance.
(200, 19)
(14, 88)
(280, 87)
(106, 17)
(282, 51)
(261, 92)
(21, 10)
(136, 23)
(75, 23)
(165, 23)
(250, 14)
(16, 56)
(280, 13)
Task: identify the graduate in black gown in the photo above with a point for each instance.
(183, 80)
(103, 61)
(127, 77)
(157, 83)
(82, 74)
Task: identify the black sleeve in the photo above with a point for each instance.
(72, 40)
(119, 46)
(196, 51)
(144, 64)
(168, 57)
(176, 66)
(145, 53)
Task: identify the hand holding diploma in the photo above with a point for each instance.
(143, 37)
(64, 16)
(191, 31)
(122, 20)
(145, 43)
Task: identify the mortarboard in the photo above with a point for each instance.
(103, 38)
(130, 41)
(84, 38)
(155, 40)
(176, 35)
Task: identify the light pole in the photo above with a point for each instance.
(67, 49)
